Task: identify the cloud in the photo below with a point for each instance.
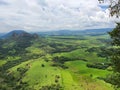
(39, 15)
(3, 2)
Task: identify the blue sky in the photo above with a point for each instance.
(46, 15)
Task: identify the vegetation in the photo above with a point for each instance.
(55, 63)
(114, 79)
(115, 58)
(114, 7)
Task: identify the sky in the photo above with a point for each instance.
(47, 15)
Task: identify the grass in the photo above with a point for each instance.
(87, 77)
(79, 67)
(68, 81)
(39, 76)
(77, 76)
(2, 62)
(81, 54)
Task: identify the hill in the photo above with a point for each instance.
(14, 32)
(1, 34)
(54, 62)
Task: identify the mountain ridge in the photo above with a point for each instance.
(60, 32)
(13, 33)
(77, 32)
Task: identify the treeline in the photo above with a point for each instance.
(59, 61)
(62, 47)
(99, 65)
(101, 51)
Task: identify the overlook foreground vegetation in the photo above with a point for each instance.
(32, 62)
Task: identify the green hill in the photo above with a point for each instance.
(30, 62)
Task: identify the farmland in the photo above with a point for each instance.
(59, 63)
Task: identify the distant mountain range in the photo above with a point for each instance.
(77, 32)
(59, 32)
(1, 34)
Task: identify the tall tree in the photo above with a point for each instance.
(115, 58)
(115, 36)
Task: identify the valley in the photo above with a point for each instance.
(59, 62)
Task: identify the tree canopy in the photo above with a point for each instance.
(114, 7)
(114, 78)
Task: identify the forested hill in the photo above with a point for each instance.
(15, 42)
(17, 33)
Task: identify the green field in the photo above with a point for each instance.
(60, 63)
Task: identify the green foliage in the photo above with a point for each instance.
(115, 58)
(22, 70)
(114, 79)
(59, 61)
(99, 65)
(115, 35)
(30, 67)
(52, 87)
(114, 7)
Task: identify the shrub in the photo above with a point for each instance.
(98, 65)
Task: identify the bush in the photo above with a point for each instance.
(61, 59)
(51, 87)
(98, 65)
(42, 65)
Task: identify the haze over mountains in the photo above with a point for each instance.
(17, 32)
(78, 32)
(61, 32)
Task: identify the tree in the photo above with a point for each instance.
(115, 58)
(114, 78)
(114, 7)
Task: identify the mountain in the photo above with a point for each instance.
(59, 32)
(1, 34)
(14, 33)
(78, 32)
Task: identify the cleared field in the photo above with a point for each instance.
(41, 74)
(88, 77)
(81, 54)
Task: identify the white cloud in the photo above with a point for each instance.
(38, 15)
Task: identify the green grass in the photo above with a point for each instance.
(39, 76)
(76, 77)
(81, 68)
(81, 54)
(87, 77)
(68, 81)
(2, 62)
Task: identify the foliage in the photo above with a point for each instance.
(51, 87)
(59, 61)
(32, 67)
(115, 35)
(115, 58)
(114, 7)
(99, 65)
(114, 79)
